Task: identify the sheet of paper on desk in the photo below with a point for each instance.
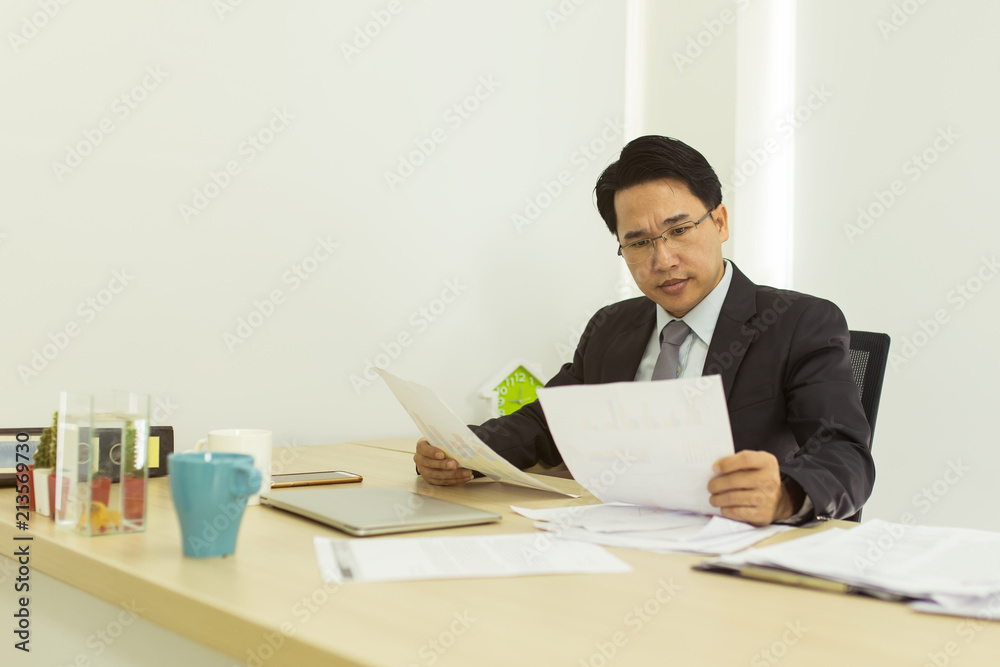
(466, 557)
(445, 430)
(648, 528)
(616, 518)
(643, 443)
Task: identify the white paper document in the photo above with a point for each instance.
(648, 528)
(643, 443)
(400, 559)
(956, 570)
(615, 518)
(985, 608)
(446, 431)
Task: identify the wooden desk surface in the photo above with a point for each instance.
(269, 594)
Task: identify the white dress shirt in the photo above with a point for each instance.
(694, 350)
(701, 319)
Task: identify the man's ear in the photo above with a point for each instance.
(721, 217)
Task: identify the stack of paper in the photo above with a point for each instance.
(648, 528)
(950, 570)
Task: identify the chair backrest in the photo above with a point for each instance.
(869, 354)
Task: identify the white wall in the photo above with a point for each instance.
(688, 79)
(926, 87)
(342, 122)
(873, 86)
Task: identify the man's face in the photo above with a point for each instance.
(675, 278)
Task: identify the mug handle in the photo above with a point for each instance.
(201, 444)
(246, 482)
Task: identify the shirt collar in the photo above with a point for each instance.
(703, 317)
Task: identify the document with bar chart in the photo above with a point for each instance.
(645, 443)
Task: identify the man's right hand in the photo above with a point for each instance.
(435, 467)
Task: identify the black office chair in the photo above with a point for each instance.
(869, 354)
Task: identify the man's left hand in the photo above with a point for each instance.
(747, 487)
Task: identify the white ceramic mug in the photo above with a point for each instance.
(255, 442)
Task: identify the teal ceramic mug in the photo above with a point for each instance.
(210, 491)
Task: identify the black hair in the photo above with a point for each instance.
(652, 158)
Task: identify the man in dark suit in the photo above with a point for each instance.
(800, 433)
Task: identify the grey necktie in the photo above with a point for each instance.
(667, 364)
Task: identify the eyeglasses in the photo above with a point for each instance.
(677, 236)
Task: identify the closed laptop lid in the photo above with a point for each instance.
(374, 510)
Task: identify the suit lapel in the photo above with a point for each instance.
(731, 339)
(625, 353)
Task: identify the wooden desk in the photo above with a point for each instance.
(269, 593)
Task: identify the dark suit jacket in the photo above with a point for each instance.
(785, 366)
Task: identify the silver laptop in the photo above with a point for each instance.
(373, 510)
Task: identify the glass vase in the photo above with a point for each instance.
(102, 462)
